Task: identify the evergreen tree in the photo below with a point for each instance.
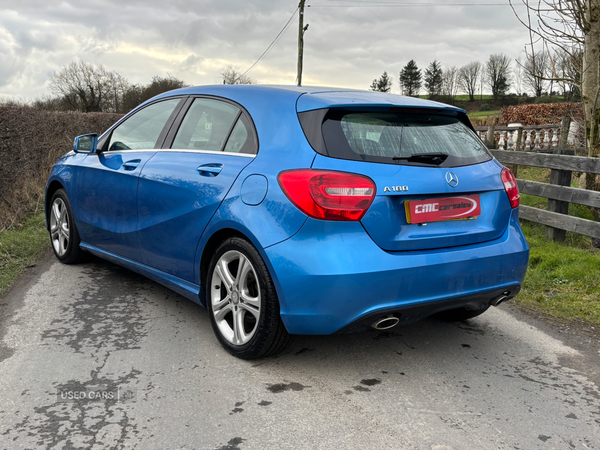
(433, 79)
(410, 79)
(382, 84)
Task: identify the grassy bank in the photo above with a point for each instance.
(20, 247)
(563, 280)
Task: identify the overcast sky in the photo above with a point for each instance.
(348, 43)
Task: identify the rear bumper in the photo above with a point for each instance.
(412, 313)
(331, 275)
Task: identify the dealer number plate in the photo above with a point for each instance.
(442, 209)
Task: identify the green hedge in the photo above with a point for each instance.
(31, 140)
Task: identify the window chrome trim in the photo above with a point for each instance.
(174, 150)
(208, 152)
(133, 150)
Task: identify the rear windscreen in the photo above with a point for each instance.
(400, 138)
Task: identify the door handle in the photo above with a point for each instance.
(210, 170)
(131, 165)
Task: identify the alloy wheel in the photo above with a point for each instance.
(59, 227)
(235, 297)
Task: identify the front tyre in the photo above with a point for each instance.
(63, 231)
(242, 302)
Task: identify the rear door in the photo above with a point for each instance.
(182, 186)
(108, 180)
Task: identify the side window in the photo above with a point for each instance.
(242, 138)
(141, 130)
(206, 125)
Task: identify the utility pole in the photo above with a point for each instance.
(301, 30)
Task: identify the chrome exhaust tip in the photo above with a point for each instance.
(500, 299)
(385, 323)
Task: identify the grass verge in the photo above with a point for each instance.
(562, 280)
(21, 246)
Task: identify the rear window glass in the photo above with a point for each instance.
(396, 137)
(206, 125)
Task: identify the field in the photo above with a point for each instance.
(482, 118)
(483, 114)
(465, 97)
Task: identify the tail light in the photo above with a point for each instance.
(328, 195)
(511, 187)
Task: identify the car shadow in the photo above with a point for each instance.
(429, 341)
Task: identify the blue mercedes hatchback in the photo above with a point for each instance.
(288, 210)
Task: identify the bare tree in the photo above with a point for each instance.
(117, 86)
(564, 67)
(137, 94)
(233, 75)
(449, 81)
(497, 74)
(467, 78)
(518, 76)
(574, 27)
(535, 71)
(481, 83)
(87, 87)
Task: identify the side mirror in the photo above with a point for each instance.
(86, 143)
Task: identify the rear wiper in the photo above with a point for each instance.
(426, 158)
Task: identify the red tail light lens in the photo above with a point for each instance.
(327, 195)
(511, 187)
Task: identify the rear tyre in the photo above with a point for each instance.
(63, 231)
(242, 302)
(458, 314)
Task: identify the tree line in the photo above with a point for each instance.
(86, 87)
(498, 74)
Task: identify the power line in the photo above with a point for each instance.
(363, 4)
(359, 4)
(285, 27)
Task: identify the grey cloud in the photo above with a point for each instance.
(190, 39)
(190, 63)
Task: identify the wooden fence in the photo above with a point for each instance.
(553, 156)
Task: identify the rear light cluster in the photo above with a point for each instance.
(328, 195)
(511, 187)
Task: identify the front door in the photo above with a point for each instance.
(108, 180)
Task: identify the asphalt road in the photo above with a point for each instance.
(74, 338)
